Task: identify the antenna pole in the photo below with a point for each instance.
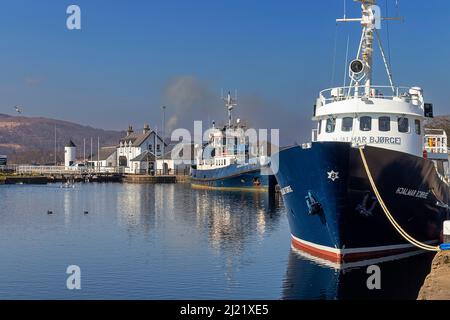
(55, 146)
(98, 153)
(345, 9)
(91, 150)
(230, 110)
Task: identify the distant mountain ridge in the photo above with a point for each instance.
(27, 140)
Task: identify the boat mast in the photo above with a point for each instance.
(230, 103)
(370, 22)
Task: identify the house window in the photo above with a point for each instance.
(365, 123)
(347, 124)
(158, 147)
(331, 125)
(403, 125)
(418, 127)
(150, 147)
(384, 124)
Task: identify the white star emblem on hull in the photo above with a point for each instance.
(333, 176)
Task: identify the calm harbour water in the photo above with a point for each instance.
(169, 242)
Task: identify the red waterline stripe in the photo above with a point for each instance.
(349, 257)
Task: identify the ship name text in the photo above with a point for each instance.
(373, 140)
(412, 193)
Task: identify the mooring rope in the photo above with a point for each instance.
(388, 214)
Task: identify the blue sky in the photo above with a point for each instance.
(131, 57)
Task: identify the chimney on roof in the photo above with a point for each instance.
(146, 128)
(130, 130)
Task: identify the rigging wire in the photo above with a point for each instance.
(333, 71)
(346, 70)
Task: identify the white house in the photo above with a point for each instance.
(135, 144)
(143, 163)
(106, 160)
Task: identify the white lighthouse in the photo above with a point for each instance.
(70, 154)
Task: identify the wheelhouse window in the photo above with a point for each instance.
(365, 123)
(331, 125)
(347, 124)
(320, 127)
(384, 124)
(403, 125)
(417, 126)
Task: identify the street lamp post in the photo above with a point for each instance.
(163, 134)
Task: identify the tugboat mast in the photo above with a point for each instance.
(230, 103)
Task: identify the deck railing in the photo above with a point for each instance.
(331, 95)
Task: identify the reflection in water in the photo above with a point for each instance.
(140, 242)
(68, 206)
(136, 208)
(308, 277)
(165, 200)
(170, 242)
(232, 216)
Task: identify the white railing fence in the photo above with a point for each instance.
(61, 170)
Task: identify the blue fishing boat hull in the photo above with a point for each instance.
(232, 177)
(333, 212)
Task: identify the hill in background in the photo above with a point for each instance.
(32, 140)
(27, 140)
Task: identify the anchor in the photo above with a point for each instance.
(314, 206)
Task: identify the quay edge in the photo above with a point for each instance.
(437, 283)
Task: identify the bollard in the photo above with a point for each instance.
(447, 231)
